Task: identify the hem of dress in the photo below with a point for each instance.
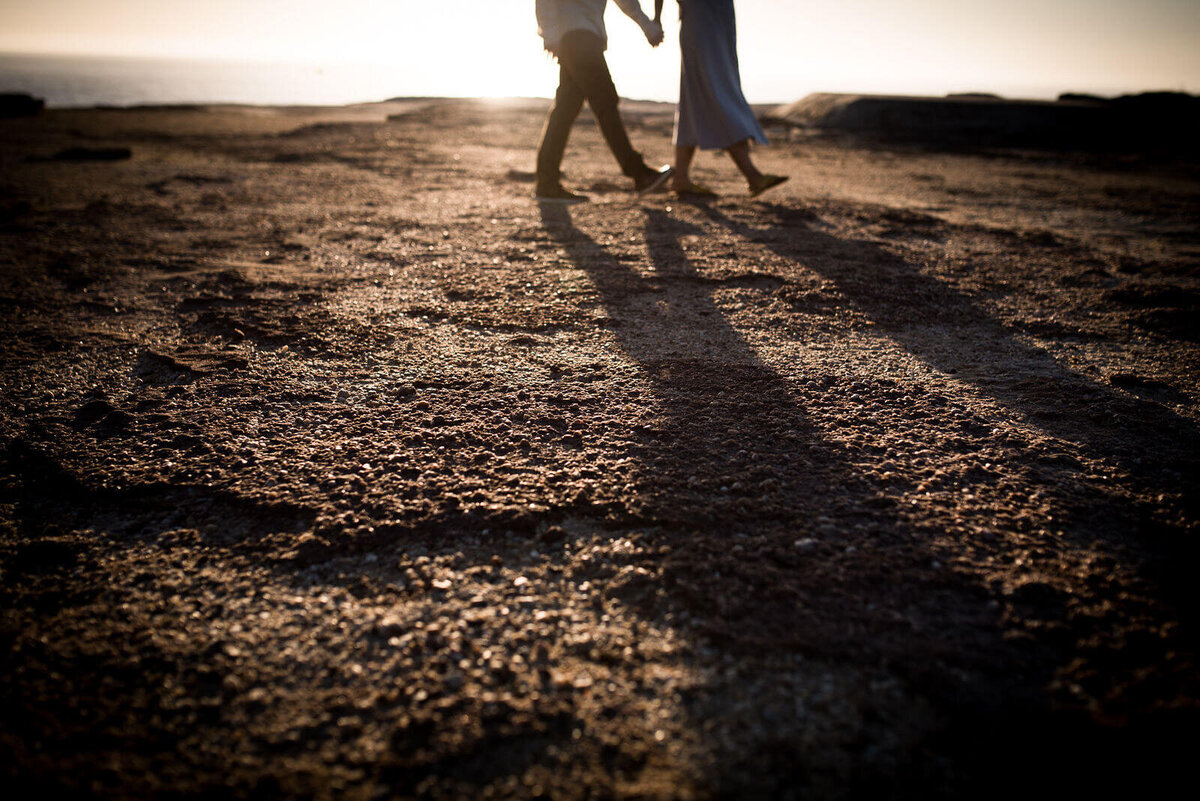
(761, 140)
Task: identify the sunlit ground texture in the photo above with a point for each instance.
(333, 467)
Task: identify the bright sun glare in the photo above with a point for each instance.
(490, 48)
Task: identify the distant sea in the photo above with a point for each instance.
(83, 81)
(75, 81)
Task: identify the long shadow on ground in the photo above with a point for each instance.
(950, 331)
(779, 545)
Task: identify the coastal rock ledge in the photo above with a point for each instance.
(1148, 121)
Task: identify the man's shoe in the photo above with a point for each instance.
(653, 180)
(556, 194)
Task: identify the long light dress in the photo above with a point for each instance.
(712, 112)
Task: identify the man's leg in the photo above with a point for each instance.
(568, 100)
(582, 55)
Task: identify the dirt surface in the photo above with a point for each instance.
(332, 466)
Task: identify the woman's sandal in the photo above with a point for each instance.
(766, 183)
(694, 190)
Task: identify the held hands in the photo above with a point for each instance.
(654, 32)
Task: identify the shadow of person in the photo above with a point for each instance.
(782, 539)
(947, 329)
(776, 542)
(1157, 449)
(730, 454)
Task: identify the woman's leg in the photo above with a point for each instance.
(758, 182)
(740, 153)
(683, 163)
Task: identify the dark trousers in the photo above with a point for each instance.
(583, 75)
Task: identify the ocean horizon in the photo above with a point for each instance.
(74, 81)
(87, 81)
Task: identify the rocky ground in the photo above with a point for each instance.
(332, 466)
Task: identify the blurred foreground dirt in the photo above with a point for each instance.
(332, 466)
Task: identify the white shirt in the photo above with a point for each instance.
(557, 17)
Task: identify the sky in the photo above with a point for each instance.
(787, 48)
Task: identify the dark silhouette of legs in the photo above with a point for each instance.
(584, 75)
(568, 101)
